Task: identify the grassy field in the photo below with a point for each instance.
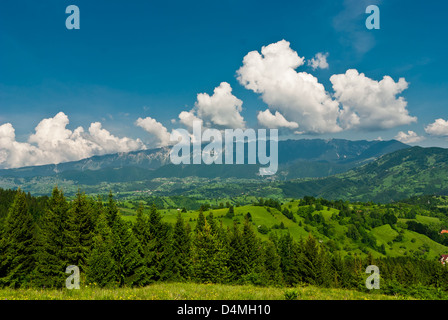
(192, 291)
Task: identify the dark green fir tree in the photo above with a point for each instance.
(52, 256)
(102, 270)
(18, 245)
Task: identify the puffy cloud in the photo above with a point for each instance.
(52, 142)
(297, 95)
(438, 128)
(105, 142)
(369, 104)
(155, 128)
(409, 137)
(319, 61)
(273, 121)
(188, 117)
(16, 154)
(221, 109)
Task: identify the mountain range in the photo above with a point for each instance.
(297, 159)
(379, 171)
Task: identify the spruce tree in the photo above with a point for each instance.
(102, 269)
(290, 255)
(141, 227)
(251, 249)
(81, 231)
(272, 272)
(18, 245)
(209, 257)
(52, 258)
(236, 261)
(111, 210)
(200, 222)
(141, 231)
(181, 251)
(129, 264)
(160, 250)
(314, 264)
(212, 222)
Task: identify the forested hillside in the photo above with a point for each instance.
(395, 176)
(318, 242)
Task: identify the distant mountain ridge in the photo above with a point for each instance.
(394, 176)
(297, 159)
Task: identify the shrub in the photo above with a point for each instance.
(291, 295)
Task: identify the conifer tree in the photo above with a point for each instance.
(81, 231)
(271, 265)
(343, 276)
(181, 251)
(141, 227)
(251, 248)
(102, 269)
(290, 255)
(129, 264)
(236, 261)
(200, 222)
(52, 258)
(142, 233)
(160, 249)
(314, 265)
(209, 257)
(111, 210)
(18, 245)
(98, 209)
(211, 221)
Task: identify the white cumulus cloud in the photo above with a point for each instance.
(369, 104)
(319, 61)
(297, 95)
(155, 128)
(409, 137)
(273, 121)
(438, 128)
(53, 143)
(188, 117)
(222, 109)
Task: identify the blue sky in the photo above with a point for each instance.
(139, 59)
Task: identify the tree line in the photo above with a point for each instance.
(35, 250)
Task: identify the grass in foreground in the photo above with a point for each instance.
(192, 291)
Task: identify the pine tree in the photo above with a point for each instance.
(141, 231)
(160, 248)
(81, 231)
(236, 261)
(314, 265)
(141, 226)
(101, 268)
(17, 246)
(98, 209)
(111, 210)
(200, 222)
(209, 257)
(129, 264)
(251, 248)
(52, 258)
(211, 221)
(271, 265)
(181, 251)
(290, 255)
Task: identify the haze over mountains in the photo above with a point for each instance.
(379, 171)
(297, 159)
